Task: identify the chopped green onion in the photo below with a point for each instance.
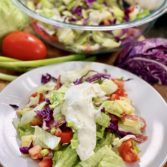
(7, 77)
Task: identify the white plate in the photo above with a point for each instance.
(147, 101)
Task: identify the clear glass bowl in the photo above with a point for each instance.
(121, 33)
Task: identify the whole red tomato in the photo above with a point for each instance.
(23, 46)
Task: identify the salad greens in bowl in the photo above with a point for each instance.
(90, 26)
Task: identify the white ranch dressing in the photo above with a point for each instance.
(79, 109)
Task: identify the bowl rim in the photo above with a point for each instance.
(154, 15)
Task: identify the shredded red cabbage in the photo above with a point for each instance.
(46, 114)
(92, 78)
(14, 106)
(77, 10)
(147, 59)
(113, 127)
(46, 78)
(98, 76)
(59, 123)
(89, 2)
(47, 101)
(25, 150)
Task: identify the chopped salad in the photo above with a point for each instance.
(87, 12)
(80, 118)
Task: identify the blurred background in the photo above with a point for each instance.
(160, 28)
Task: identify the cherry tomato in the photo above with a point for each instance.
(65, 136)
(127, 152)
(23, 46)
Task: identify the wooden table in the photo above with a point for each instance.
(108, 59)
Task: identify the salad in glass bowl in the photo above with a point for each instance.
(80, 118)
(89, 26)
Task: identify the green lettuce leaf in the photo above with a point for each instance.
(103, 119)
(56, 97)
(24, 130)
(108, 86)
(45, 139)
(119, 107)
(11, 18)
(67, 157)
(104, 155)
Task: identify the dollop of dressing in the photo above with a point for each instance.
(79, 109)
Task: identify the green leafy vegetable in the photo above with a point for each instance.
(11, 18)
(103, 120)
(65, 158)
(104, 155)
(45, 139)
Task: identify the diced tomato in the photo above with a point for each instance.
(41, 96)
(46, 162)
(114, 97)
(119, 93)
(35, 152)
(34, 94)
(65, 136)
(127, 152)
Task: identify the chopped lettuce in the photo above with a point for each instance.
(74, 141)
(108, 86)
(104, 155)
(106, 140)
(46, 87)
(103, 119)
(66, 35)
(104, 40)
(45, 139)
(26, 140)
(27, 117)
(11, 18)
(99, 131)
(24, 130)
(119, 107)
(67, 157)
(129, 125)
(56, 97)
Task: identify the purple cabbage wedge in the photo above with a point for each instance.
(147, 59)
